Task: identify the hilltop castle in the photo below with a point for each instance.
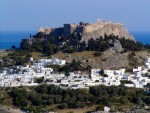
(85, 30)
(89, 30)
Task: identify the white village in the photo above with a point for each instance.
(26, 75)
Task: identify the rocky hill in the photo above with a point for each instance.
(85, 31)
(108, 60)
(111, 40)
(101, 28)
(89, 30)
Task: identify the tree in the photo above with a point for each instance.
(58, 99)
(50, 102)
(36, 99)
(28, 55)
(63, 106)
(13, 47)
(21, 101)
(41, 89)
(19, 97)
(131, 45)
(82, 46)
(148, 85)
(97, 54)
(88, 68)
(15, 92)
(102, 72)
(73, 66)
(100, 108)
(39, 80)
(91, 44)
(124, 100)
(104, 75)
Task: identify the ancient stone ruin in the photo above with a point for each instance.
(89, 30)
(85, 30)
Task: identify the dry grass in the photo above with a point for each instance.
(124, 107)
(38, 55)
(6, 98)
(143, 54)
(85, 54)
(4, 53)
(82, 110)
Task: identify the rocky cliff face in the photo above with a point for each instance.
(98, 29)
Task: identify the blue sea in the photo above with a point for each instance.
(7, 39)
(143, 37)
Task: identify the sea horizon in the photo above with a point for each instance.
(10, 38)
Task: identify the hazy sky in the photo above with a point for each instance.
(29, 15)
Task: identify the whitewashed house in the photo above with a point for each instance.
(147, 63)
(106, 109)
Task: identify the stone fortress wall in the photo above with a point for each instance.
(90, 30)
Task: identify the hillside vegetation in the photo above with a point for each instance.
(51, 98)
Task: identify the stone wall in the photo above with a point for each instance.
(69, 29)
(56, 32)
(88, 31)
(45, 30)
